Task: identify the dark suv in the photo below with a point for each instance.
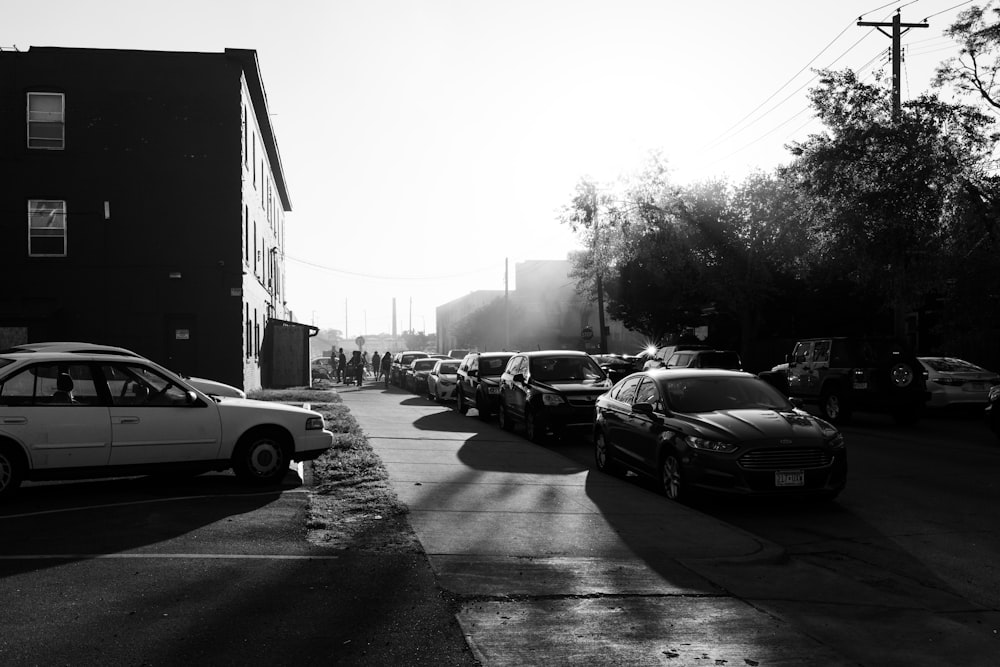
(864, 373)
(479, 382)
(550, 391)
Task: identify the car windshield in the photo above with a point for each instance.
(567, 369)
(708, 394)
(449, 369)
(490, 366)
(424, 364)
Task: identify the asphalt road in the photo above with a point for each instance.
(204, 571)
(898, 571)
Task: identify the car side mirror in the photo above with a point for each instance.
(473, 373)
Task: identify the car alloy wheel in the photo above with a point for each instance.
(901, 375)
(603, 458)
(832, 406)
(261, 458)
(670, 476)
(504, 418)
(534, 429)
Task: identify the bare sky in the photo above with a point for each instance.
(425, 142)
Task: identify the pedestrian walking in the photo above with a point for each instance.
(359, 367)
(386, 365)
(376, 365)
(342, 362)
(364, 364)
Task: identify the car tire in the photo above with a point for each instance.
(504, 418)
(901, 375)
(833, 406)
(670, 479)
(604, 459)
(483, 407)
(534, 427)
(261, 458)
(460, 403)
(11, 470)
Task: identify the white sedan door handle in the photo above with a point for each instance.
(128, 420)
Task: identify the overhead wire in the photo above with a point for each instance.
(743, 126)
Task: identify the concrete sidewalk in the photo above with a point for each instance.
(559, 564)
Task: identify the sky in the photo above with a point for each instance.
(429, 144)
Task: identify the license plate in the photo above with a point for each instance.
(493, 390)
(860, 385)
(790, 478)
(974, 386)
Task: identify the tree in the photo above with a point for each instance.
(881, 196)
(975, 69)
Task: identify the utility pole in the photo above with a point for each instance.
(506, 302)
(897, 32)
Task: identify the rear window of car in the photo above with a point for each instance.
(424, 364)
(719, 360)
(448, 368)
(492, 365)
(565, 368)
(408, 358)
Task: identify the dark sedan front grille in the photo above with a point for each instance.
(582, 400)
(782, 459)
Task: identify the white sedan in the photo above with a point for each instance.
(442, 379)
(952, 381)
(74, 415)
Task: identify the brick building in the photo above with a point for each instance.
(143, 205)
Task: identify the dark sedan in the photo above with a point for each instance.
(716, 430)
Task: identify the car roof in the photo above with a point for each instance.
(671, 373)
(554, 353)
(71, 357)
(76, 347)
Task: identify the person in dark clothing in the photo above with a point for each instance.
(376, 365)
(357, 368)
(342, 363)
(386, 365)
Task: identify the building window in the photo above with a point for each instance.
(46, 228)
(46, 122)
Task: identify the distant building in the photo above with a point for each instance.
(143, 205)
(546, 312)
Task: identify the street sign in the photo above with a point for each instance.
(587, 333)
(360, 341)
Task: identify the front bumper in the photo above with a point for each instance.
(725, 475)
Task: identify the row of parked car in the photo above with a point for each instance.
(688, 428)
(693, 420)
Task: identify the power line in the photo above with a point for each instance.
(372, 276)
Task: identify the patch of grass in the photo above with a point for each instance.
(352, 504)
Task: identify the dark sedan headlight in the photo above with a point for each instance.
(831, 434)
(314, 424)
(707, 445)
